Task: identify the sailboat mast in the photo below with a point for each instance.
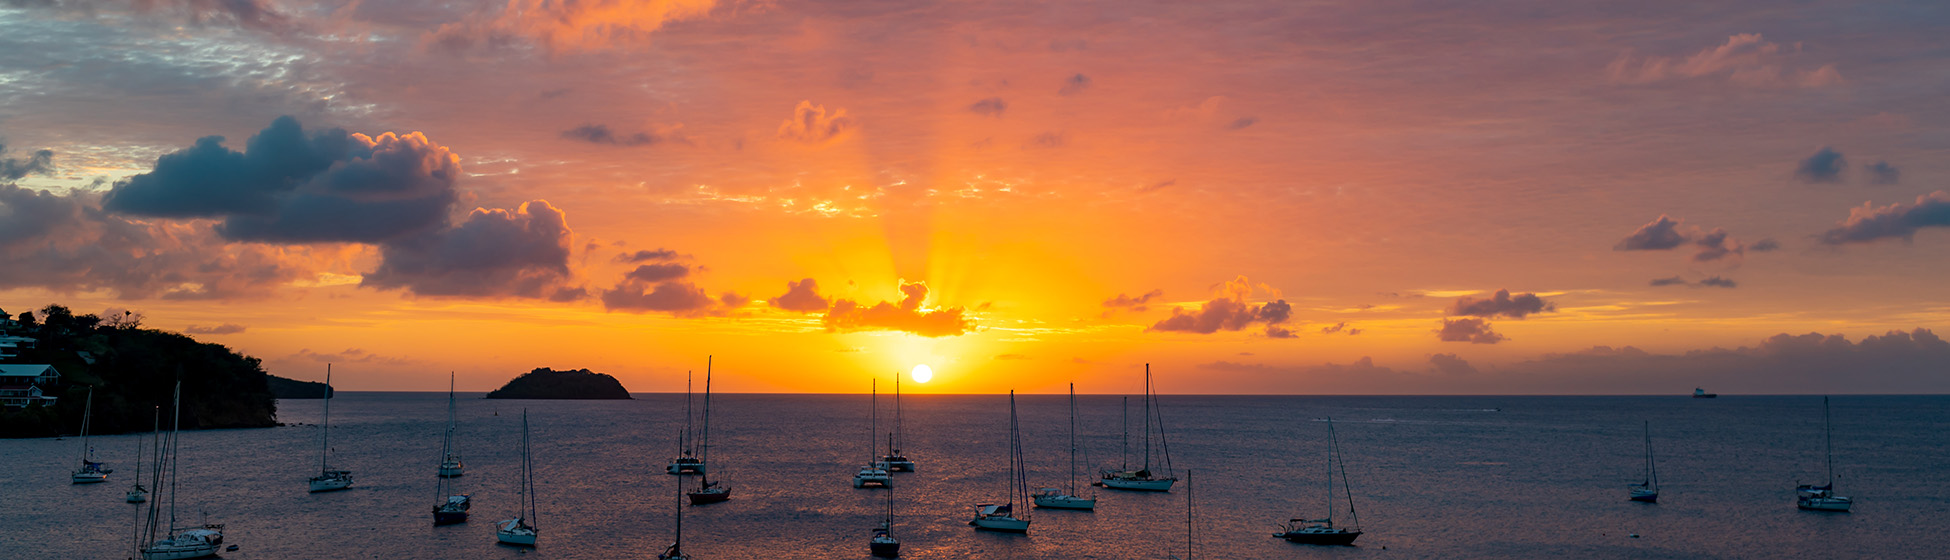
(175, 428)
(873, 421)
(1188, 514)
(87, 413)
(1330, 472)
(1147, 418)
(705, 442)
(325, 439)
(894, 444)
(684, 440)
(528, 473)
(1828, 440)
(1127, 433)
(1073, 439)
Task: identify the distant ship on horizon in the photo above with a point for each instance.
(1699, 393)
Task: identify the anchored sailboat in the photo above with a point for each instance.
(452, 507)
(687, 461)
(1323, 531)
(1648, 491)
(1144, 479)
(875, 472)
(521, 530)
(897, 462)
(676, 549)
(137, 493)
(1002, 517)
(450, 463)
(91, 472)
(328, 479)
(1823, 498)
(1058, 498)
(175, 543)
(883, 544)
(708, 491)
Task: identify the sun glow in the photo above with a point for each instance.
(922, 373)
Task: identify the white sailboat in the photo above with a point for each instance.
(875, 472)
(90, 472)
(1648, 490)
(883, 544)
(708, 491)
(1002, 517)
(175, 543)
(895, 460)
(687, 461)
(328, 479)
(1058, 498)
(137, 493)
(1323, 531)
(521, 530)
(1823, 498)
(450, 463)
(1144, 479)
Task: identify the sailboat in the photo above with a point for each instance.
(1648, 491)
(687, 461)
(1057, 498)
(450, 463)
(521, 530)
(1823, 498)
(676, 549)
(328, 479)
(883, 544)
(875, 472)
(1144, 479)
(452, 508)
(137, 493)
(897, 462)
(176, 543)
(91, 471)
(708, 491)
(1323, 531)
(1189, 542)
(1002, 517)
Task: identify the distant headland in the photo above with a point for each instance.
(294, 389)
(545, 383)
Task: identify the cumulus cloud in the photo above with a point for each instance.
(1339, 328)
(1139, 303)
(802, 296)
(1867, 223)
(1882, 173)
(909, 315)
(658, 272)
(494, 252)
(601, 134)
(811, 124)
(1474, 331)
(225, 328)
(677, 298)
(1713, 246)
(991, 107)
(1744, 59)
(293, 186)
(1502, 304)
(561, 26)
(1659, 235)
(40, 162)
(1825, 166)
(1074, 85)
(1232, 310)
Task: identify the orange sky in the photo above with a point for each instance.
(1323, 194)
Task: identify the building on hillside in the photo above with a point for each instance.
(21, 384)
(10, 346)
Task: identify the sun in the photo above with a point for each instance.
(922, 373)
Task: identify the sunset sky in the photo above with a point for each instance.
(1254, 197)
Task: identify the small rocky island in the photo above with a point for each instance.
(544, 383)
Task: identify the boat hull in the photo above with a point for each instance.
(899, 465)
(90, 477)
(330, 484)
(877, 478)
(684, 466)
(711, 496)
(1337, 538)
(885, 549)
(452, 472)
(1139, 484)
(1646, 498)
(514, 539)
(173, 552)
(136, 496)
(1837, 504)
(1065, 502)
(1001, 524)
(448, 517)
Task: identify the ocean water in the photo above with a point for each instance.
(1433, 477)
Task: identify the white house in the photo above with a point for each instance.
(20, 384)
(10, 346)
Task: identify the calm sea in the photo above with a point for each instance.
(1433, 477)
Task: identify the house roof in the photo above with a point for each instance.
(27, 370)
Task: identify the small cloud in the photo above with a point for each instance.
(1867, 223)
(802, 296)
(1048, 140)
(1826, 166)
(349, 355)
(1673, 281)
(40, 162)
(1714, 246)
(991, 107)
(658, 272)
(1764, 245)
(909, 315)
(1659, 235)
(601, 134)
(1474, 331)
(1074, 85)
(1242, 122)
(1158, 186)
(641, 256)
(1139, 303)
(1338, 327)
(1882, 173)
(1502, 303)
(810, 124)
(225, 328)
(1230, 311)
(1718, 282)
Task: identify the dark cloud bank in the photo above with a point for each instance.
(1916, 361)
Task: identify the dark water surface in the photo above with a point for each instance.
(1434, 477)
